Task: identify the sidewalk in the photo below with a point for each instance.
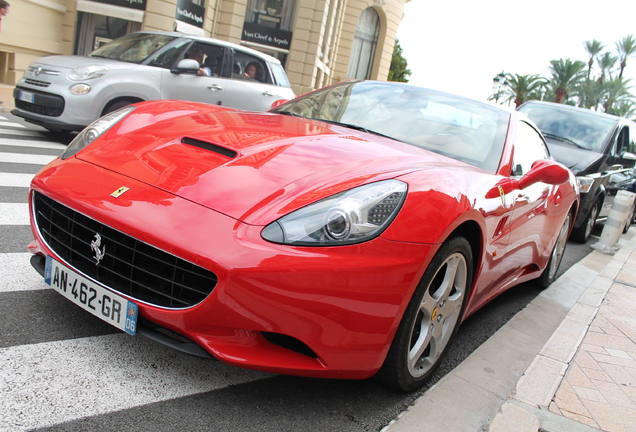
(6, 96)
(566, 363)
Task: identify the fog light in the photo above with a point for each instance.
(80, 89)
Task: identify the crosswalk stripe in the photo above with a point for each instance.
(26, 158)
(14, 214)
(39, 381)
(21, 276)
(19, 132)
(15, 180)
(32, 144)
(12, 124)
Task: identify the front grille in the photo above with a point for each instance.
(38, 109)
(129, 266)
(37, 83)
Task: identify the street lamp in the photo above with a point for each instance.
(500, 86)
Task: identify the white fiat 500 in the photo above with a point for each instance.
(66, 93)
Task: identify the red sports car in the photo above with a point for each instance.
(344, 234)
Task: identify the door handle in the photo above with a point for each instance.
(267, 93)
(215, 87)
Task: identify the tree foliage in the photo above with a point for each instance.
(398, 71)
(596, 83)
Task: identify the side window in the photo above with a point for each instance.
(632, 138)
(529, 148)
(168, 57)
(249, 67)
(209, 56)
(622, 142)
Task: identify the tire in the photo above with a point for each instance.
(550, 273)
(431, 318)
(582, 233)
(113, 106)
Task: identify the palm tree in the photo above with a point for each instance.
(606, 63)
(626, 48)
(591, 93)
(617, 91)
(593, 48)
(525, 87)
(566, 76)
(625, 108)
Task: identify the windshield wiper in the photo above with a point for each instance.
(357, 127)
(289, 113)
(564, 139)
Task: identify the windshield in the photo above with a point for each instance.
(466, 130)
(133, 48)
(588, 131)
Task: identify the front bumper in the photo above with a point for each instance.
(323, 312)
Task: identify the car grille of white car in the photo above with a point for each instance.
(37, 83)
(129, 266)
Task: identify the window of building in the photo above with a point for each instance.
(365, 41)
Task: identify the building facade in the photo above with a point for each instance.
(319, 42)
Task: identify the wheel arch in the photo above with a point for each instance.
(127, 100)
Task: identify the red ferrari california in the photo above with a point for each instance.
(344, 234)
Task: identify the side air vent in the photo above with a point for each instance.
(209, 146)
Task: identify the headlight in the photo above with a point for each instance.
(349, 217)
(585, 183)
(87, 72)
(94, 130)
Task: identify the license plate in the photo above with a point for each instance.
(25, 96)
(92, 297)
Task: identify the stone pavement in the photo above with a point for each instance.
(567, 362)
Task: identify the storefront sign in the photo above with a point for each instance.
(190, 13)
(132, 4)
(265, 35)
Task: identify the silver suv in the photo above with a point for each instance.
(66, 93)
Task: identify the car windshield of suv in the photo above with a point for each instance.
(462, 129)
(587, 131)
(133, 48)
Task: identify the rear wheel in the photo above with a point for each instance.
(549, 274)
(431, 318)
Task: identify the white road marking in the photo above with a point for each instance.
(18, 274)
(26, 158)
(15, 180)
(33, 144)
(18, 132)
(39, 382)
(14, 214)
(11, 124)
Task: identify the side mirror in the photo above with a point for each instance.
(629, 156)
(543, 170)
(278, 103)
(186, 66)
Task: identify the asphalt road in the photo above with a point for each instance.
(64, 370)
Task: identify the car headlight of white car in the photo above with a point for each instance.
(353, 216)
(87, 72)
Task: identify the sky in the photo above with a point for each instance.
(459, 46)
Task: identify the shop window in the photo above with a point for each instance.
(94, 30)
(365, 41)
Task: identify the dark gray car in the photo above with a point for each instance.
(599, 148)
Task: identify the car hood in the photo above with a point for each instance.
(72, 61)
(254, 167)
(577, 159)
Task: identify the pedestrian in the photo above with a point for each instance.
(4, 10)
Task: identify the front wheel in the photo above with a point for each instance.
(582, 233)
(549, 274)
(431, 318)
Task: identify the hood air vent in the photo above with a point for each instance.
(209, 146)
